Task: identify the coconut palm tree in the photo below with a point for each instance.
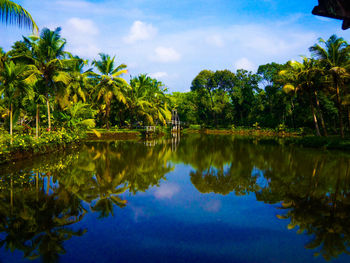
(147, 99)
(335, 56)
(13, 86)
(109, 83)
(302, 78)
(138, 98)
(79, 85)
(48, 57)
(12, 13)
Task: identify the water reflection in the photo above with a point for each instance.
(43, 201)
(39, 201)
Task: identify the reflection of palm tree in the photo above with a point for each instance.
(317, 204)
(38, 223)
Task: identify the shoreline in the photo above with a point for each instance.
(31, 151)
(288, 138)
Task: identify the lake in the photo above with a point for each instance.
(198, 198)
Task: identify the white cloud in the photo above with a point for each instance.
(166, 54)
(158, 75)
(140, 31)
(215, 40)
(244, 63)
(83, 26)
(81, 37)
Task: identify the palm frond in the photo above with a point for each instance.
(12, 13)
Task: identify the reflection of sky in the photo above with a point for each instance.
(175, 223)
(166, 191)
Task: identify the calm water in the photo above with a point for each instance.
(201, 199)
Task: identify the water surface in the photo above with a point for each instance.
(199, 199)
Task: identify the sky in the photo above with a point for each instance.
(174, 40)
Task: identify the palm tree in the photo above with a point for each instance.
(12, 13)
(79, 85)
(14, 88)
(147, 99)
(302, 78)
(110, 84)
(335, 58)
(3, 58)
(48, 57)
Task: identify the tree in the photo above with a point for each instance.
(12, 13)
(204, 83)
(47, 55)
(79, 85)
(146, 99)
(335, 57)
(243, 95)
(303, 78)
(110, 84)
(13, 86)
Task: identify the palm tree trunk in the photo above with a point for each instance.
(48, 185)
(37, 186)
(107, 116)
(48, 112)
(11, 111)
(11, 195)
(349, 117)
(314, 116)
(37, 122)
(340, 112)
(321, 115)
(293, 121)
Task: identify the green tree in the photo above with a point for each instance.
(335, 57)
(204, 84)
(109, 83)
(13, 86)
(48, 57)
(303, 78)
(243, 95)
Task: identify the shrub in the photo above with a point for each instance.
(19, 142)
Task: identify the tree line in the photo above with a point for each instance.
(312, 94)
(40, 82)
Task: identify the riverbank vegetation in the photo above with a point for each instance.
(43, 87)
(311, 96)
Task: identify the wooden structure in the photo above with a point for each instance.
(150, 130)
(175, 121)
(175, 141)
(338, 9)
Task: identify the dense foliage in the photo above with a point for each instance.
(41, 84)
(312, 94)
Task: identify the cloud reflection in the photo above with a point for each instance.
(212, 206)
(166, 191)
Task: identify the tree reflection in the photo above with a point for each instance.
(312, 187)
(40, 200)
(37, 223)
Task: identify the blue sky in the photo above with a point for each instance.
(174, 40)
